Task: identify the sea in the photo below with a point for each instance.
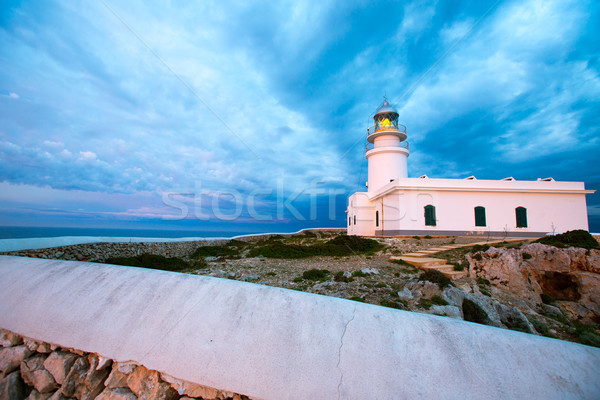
(14, 238)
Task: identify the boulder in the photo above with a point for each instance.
(11, 358)
(117, 394)
(59, 396)
(35, 395)
(73, 383)
(454, 296)
(12, 387)
(8, 338)
(59, 364)
(146, 384)
(116, 379)
(448, 311)
(126, 367)
(34, 374)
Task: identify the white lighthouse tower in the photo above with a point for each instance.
(389, 151)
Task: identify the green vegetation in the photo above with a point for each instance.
(356, 298)
(458, 266)
(342, 245)
(417, 237)
(231, 249)
(152, 261)
(428, 237)
(434, 300)
(473, 313)
(587, 335)
(482, 281)
(358, 274)
(315, 274)
(576, 238)
(401, 262)
(526, 256)
(547, 299)
(392, 304)
(479, 247)
(340, 277)
(436, 277)
(539, 325)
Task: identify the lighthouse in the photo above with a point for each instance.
(387, 150)
(395, 204)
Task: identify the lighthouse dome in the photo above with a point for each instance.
(386, 108)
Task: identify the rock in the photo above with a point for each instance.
(453, 296)
(373, 271)
(76, 378)
(35, 395)
(59, 364)
(250, 277)
(116, 379)
(58, 396)
(146, 384)
(94, 379)
(449, 311)
(59, 254)
(405, 294)
(12, 387)
(126, 367)
(552, 311)
(103, 362)
(190, 389)
(593, 261)
(514, 319)
(422, 289)
(480, 309)
(121, 393)
(7, 338)
(588, 285)
(11, 358)
(34, 374)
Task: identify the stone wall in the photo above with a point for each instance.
(36, 370)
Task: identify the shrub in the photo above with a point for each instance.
(539, 325)
(458, 266)
(297, 279)
(417, 237)
(547, 299)
(436, 277)
(391, 304)
(342, 245)
(428, 237)
(576, 238)
(473, 313)
(151, 261)
(482, 281)
(359, 274)
(434, 300)
(401, 262)
(315, 274)
(227, 250)
(340, 277)
(356, 298)
(526, 256)
(480, 247)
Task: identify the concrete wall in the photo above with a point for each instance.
(271, 343)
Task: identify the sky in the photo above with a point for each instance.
(251, 116)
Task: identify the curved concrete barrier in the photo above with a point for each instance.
(271, 343)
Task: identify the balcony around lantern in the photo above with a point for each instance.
(371, 146)
(394, 128)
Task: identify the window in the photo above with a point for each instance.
(480, 216)
(521, 213)
(376, 218)
(430, 215)
(349, 221)
(355, 220)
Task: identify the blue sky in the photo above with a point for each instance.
(134, 114)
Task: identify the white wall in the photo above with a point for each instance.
(271, 343)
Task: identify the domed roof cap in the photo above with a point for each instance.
(386, 108)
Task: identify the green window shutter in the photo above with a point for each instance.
(480, 216)
(430, 215)
(521, 213)
(376, 218)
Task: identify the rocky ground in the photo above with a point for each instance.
(505, 287)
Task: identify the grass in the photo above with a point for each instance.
(576, 238)
(393, 304)
(152, 261)
(401, 262)
(359, 274)
(356, 298)
(342, 245)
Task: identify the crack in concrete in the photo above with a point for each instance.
(340, 351)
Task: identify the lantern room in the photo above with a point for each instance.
(386, 122)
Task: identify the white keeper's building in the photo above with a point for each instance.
(397, 205)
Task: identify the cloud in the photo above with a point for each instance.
(100, 113)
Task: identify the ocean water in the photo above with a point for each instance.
(13, 238)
